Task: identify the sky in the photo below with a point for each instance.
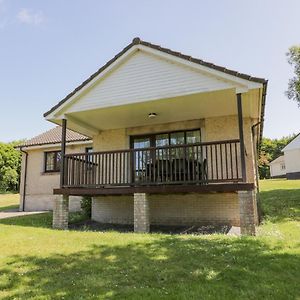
(47, 48)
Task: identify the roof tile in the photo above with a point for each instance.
(53, 136)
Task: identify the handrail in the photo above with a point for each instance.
(157, 148)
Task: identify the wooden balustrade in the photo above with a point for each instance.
(200, 163)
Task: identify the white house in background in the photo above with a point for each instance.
(292, 158)
(277, 167)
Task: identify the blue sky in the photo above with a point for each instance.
(47, 48)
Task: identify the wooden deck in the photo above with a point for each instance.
(162, 189)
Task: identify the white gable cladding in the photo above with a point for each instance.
(144, 77)
(294, 144)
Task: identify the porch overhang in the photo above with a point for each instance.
(181, 108)
(162, 189)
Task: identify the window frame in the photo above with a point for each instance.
(89, 150)
(152, 137)
(56, 168)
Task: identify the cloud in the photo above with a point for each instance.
(28, 16)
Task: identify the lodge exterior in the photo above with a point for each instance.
(175, 142)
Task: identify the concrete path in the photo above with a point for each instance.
(15, 213)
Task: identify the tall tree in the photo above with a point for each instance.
(10, 165)
(293, 91)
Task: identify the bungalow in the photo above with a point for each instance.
(40, 169)
(175, 141)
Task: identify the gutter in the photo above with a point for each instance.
(262, 117)
(25, 178)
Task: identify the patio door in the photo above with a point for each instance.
(161, 164)
(141, 158)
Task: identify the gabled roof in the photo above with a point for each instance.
(277, 160)
(138, 41)
(53, 136)
(293, 144)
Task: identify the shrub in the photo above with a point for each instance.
(86, 206)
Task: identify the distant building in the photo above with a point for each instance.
(277, 167)
(292, 158)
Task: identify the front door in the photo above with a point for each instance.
(141, 158)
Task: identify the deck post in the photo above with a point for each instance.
(248, 213)
(141, 213)
(63, 152)
(61, 212)
(241, 135)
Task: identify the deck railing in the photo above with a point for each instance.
(200, 163)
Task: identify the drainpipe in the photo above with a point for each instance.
(255, 150)
(25, 179)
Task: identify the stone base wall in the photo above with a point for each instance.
(171, 209)
(294, 175)
(46, 202)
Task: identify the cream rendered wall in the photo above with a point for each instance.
(222, 128)
(40, 185)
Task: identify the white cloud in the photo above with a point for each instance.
(28, 16)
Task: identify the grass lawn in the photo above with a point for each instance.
(37, 262)
(9, 201)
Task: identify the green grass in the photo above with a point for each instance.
(9, 201)
(37, 262)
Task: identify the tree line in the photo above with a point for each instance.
(10, 167)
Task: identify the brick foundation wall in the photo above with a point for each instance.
(172, 209)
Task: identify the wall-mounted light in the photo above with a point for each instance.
(152, 115)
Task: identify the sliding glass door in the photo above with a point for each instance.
(161, 163)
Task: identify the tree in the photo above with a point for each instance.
(293, 91)
(10, 167)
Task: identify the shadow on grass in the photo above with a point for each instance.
(43, 220)
(9, 208)
(160, 268)
(281, 205)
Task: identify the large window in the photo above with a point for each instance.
(169, 138)
(52, 161)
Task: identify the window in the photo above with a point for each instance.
(88, 149)
(52, 161)
(282, 166)
(165, 139)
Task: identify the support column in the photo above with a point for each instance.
(61, 212)
(63, 152)
(141, 213)
(241, 135)
(247, 202)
